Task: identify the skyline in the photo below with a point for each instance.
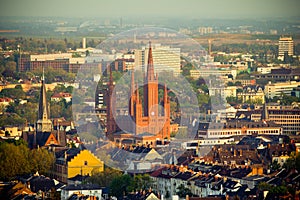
(136, 8)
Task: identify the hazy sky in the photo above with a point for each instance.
(171, 8)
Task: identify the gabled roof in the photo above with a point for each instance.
(41, 183)
(185, 175)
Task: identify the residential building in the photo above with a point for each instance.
(252, 94)
(227, 91)
(91, 190)
(266, 69)
(11, 131)
(75, 161)
(5, 101)
(57, 97)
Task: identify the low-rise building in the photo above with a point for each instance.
(238, 128)
(61, 96)
(91, 190)
(252, 94)
(74, 161)
(276, 89)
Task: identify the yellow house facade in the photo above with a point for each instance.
(84, 163)
(72, 162)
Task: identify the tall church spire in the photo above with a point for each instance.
(44, 123)
(150, 67)
(150, 88)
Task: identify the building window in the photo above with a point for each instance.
(85, 162)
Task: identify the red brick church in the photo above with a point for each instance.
(149, 121)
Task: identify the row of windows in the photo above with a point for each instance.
(225, 133)
(287, 121)
(263, 132)
(248, 132)
(284, 116)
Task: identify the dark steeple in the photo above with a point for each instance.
(44, 123)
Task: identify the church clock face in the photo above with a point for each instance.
(152, 113)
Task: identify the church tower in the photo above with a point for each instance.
(44, 123)
(111, 123)
(147, 120)
(150, 88)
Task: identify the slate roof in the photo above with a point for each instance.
(184, 175)
(82, 187)
(41, 138)
(41, 183)
(70, 153)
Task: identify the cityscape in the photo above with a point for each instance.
(111, 100)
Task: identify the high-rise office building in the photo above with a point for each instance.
(165, 58)
(285, 47)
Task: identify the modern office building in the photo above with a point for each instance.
(277, 89)
(285, 47)
(288, 117)
(165, 58)
(238, 128)
(196, 73)
(280, 75)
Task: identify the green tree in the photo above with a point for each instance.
(41, 160)
(275, 165)
(142, 181)
(121, 185)
(12, 119)
(183, 191)
(14, 160)
(105, 178)
(14, 93)
(293, 162)
(17, 159)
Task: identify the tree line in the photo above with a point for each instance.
(16, 159)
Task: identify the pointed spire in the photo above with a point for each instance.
(44, 123)
(150, 67)
(43, 105)
(132, 85)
